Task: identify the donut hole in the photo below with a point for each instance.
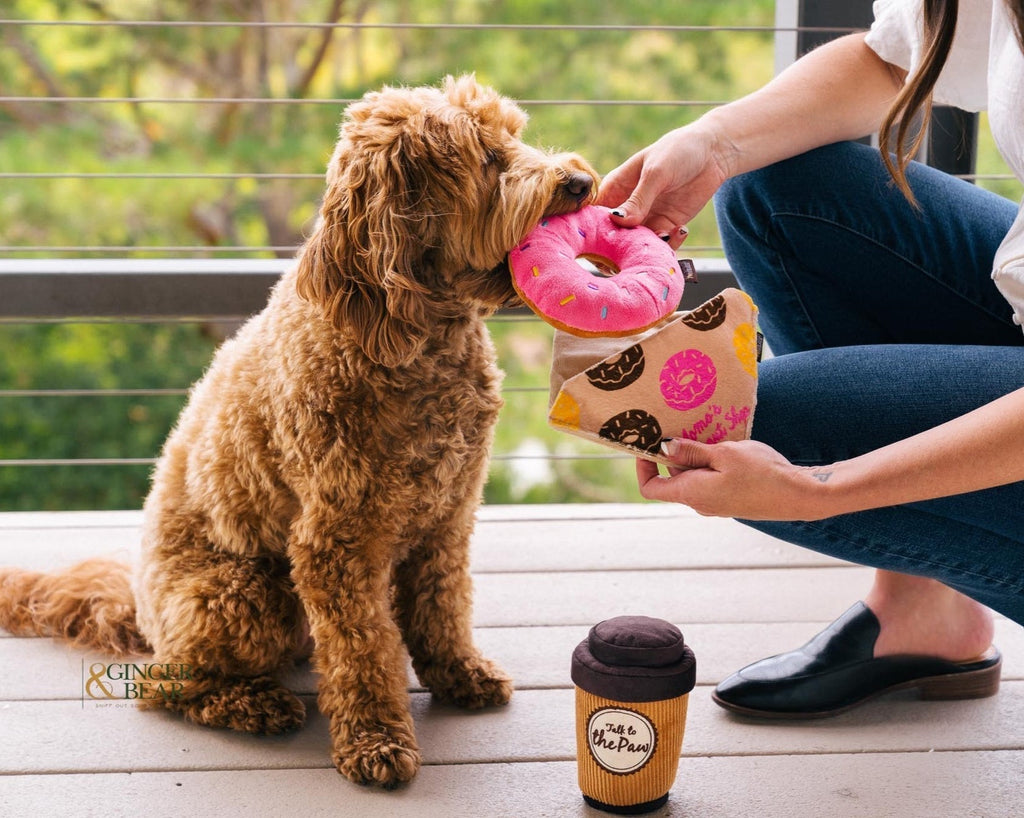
(597, 265)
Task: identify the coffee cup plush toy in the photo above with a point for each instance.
(633, 677)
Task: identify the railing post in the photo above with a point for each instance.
(952, 142)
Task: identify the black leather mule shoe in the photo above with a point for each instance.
(837, 670)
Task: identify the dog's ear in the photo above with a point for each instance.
(361, 262)
(484, 103)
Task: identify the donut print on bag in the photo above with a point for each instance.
(698, 381)
(745, 342)
(635, 428)
(708, 316)
(565, 411)
(619, 371)
(688, 379)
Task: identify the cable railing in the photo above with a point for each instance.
(216, 275)
(410, 26)
(10, 246)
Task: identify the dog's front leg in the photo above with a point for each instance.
(434, 605)
(344, 585)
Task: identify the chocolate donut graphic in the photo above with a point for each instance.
(635, 428)
(619, 371)
(707, 316)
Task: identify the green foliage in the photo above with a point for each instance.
(89, 357)
(558, 73)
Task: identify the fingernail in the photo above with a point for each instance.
(664, 236)
(619, 212)
(669, 447)
(684, 231)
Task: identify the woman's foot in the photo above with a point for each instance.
(927, 638)
(923, 617)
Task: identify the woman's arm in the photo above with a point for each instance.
(841, 90)
(750, 480)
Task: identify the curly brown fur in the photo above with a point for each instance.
(90, 605)
(323, 479)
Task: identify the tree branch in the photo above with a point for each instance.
(302, 86)
(35, 63)
(33, 115)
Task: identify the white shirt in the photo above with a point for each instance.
(985, 70)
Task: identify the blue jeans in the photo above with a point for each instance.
(884, 322)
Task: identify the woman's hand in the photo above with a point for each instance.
(744, 479)
(666, 184)
(751, 480)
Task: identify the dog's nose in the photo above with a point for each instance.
(578, 185)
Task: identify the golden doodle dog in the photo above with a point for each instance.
(321, 483)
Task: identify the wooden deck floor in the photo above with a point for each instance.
(544, 575)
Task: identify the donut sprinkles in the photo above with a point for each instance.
(638, 285)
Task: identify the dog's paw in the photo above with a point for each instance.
(472, 684)
(260, 705)
(385, 758)
(270, 712)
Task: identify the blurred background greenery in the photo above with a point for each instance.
(101, 99)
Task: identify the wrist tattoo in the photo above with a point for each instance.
(821, 476)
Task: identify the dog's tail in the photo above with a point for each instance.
(91, 605)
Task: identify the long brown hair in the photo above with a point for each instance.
(916, 97)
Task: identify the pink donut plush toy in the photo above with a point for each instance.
(638, 284)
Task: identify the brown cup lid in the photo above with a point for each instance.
(636, 641)
(634, 659)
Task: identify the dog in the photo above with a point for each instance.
(319, 489)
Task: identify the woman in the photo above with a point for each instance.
(890, 423)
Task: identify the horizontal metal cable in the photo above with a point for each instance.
(149, 461)
(265, 24)
(115, 175)
(200, 248)
(985, 177)
(301, 176)
(89, 393)
(123, 319)
(84, 461)
(597, 103)
(150, 393)
(230, 318)
(134, 248)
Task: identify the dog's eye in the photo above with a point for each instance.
(491, 159)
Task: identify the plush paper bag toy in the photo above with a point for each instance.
(694, 377)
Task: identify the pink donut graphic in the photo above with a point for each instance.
(688, 379)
